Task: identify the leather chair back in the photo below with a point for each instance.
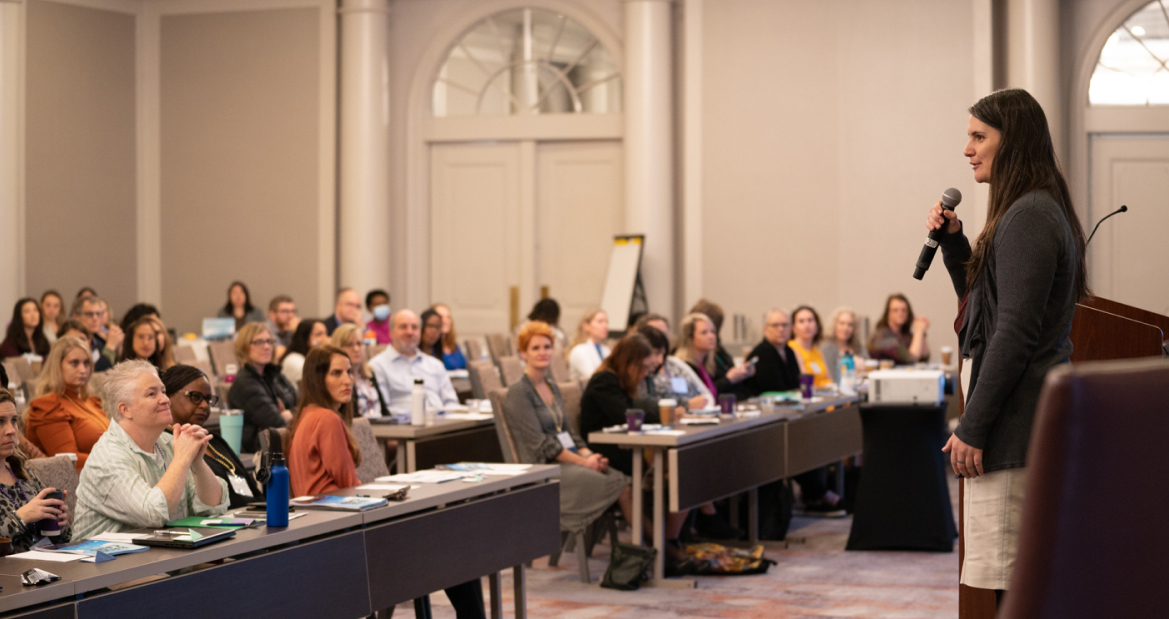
(502, 431)
(571, 392)
(498, 345)
(511, 369)
(559, 368)
(1093, 541)
(484, 377)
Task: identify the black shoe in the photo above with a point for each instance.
(824, 510)
(712, 526)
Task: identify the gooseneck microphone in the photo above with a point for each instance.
(950, 199)
(1123, 209)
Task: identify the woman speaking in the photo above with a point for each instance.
(1018, 289)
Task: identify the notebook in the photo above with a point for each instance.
(339, 503)
(182, 537)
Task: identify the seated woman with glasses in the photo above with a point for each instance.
(368, 400)
(191, 400)
(260, 390)
(63, 418)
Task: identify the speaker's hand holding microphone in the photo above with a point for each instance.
(942, 214)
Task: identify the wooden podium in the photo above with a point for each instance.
(1102, 330)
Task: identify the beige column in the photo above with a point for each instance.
(1033, 58)
(364, 233)
(11, 153)
(649, 145)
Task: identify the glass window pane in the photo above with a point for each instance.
(1133, 68)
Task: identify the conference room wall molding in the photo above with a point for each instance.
(12, 227)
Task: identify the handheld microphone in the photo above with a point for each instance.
(1123, 209)
(950, 199)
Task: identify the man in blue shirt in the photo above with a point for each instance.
(398, 365)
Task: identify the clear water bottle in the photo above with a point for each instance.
(418, 403)
(847, 374)
(277, 492)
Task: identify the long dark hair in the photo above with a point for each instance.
(299, 342)
(16, 335)
(1025, 161)
(16, 460)
(248, 307)
(314, 391)
(128, 351)
(884, 321)
(816, 316)
(626, 359)
(436, 350)
(546, 310)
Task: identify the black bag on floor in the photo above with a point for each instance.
(628, 567)
(775, 510)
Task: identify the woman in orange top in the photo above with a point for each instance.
(64, 418)
(805, 342)
(322, 453)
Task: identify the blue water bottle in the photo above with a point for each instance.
(277, 492)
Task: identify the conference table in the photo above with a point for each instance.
(444, 441)
(325, 564)
(705, 463)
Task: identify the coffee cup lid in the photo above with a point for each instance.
(668, 402)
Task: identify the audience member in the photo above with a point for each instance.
(430, 342)
(73, 328)
(378, 303)
(25, 335)
(672, 378)
(166, 347)
(843, 337)
(310, 333)
(105, 341)
(138, 475)
(777, 368)
(346, 310)
(399, 365)
(139, 310)
(698, 348)
(64, 417)
(52, 314)
(85, 291)
(23, 501)
(452, 355)
(191, 400)
(588, 347)
(548, 311)
(239, 306)
(899, 336)
(714, 311)
(260, 390)
(282, 321)
(142, 343)
(322, 453)
(806, 335)
(369, 401)
(543, 434)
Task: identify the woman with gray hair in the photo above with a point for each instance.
(138, 475)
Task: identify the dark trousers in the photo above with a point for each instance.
(813, 484)
(467, 599)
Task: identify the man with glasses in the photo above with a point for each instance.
(105, 339)
(777, 369)
(347, 310)
(282, 321)
(398, 365)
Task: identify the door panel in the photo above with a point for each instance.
(580, 206)
(1129, 256)
(474, 193)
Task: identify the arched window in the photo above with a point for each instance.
(1133, 68)
(527, 61)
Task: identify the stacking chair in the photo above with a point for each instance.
(57, 472)
(511, 369)
(499, 346)
(559, 368)
(222, 354)
(205, 367)
(373, 454)
(376, 350)
(473, 349)
(484, 377)
(502, 431)
(185, 355)
(19, 371)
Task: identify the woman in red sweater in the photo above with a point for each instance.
(322, 453)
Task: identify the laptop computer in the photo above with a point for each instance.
(181, 537)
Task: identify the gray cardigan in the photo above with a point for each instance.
(1018, 318)
(532, 425)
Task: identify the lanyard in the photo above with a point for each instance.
(554, 408)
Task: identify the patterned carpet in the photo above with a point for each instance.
(815, 577)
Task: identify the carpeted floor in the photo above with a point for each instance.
(815, 577)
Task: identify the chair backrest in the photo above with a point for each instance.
(498, 345)
(571, 392)
(484, 377)
(205, 367)
(474, 350)
(373, 455)
(222, 354)
(221, 390)
(559, 369)
(1097, 442)
(19, 370)
(511, 369)
(60, 473)
(97, 383)
(185, 355)
(502, 431)
(375, 350)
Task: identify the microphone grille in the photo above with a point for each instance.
(951, 197)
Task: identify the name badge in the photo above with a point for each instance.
(815, 367)
(240, 485)
(566, 441)
(679, 384)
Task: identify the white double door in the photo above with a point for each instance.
(1129, 258)
(510, 219)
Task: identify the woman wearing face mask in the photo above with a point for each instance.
(191, 400)
(452, 356)
(378, 304)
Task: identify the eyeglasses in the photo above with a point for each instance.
(198, 397)
(97, 314)
(263, 342)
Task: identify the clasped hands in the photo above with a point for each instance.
(190, 442)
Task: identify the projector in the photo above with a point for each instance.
(907, 386)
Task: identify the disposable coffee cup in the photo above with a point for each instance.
(633, 419)
(666, 408)
(49, 526)
(231, 428)
(806, 382)
(947, 355)
(5, 546)
(726, 404)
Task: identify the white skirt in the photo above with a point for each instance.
(992, 514)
